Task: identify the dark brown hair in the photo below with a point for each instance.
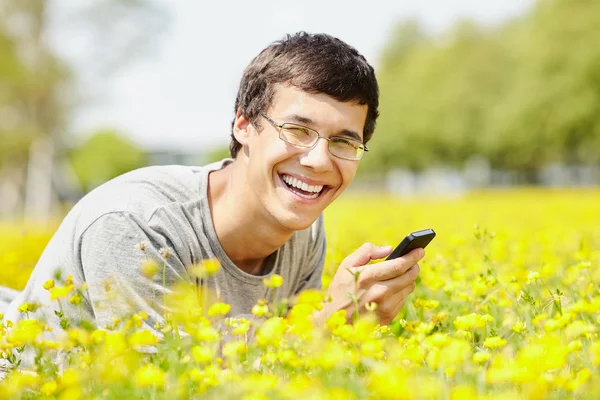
(315, 63)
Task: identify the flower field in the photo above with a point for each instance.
(507, 306)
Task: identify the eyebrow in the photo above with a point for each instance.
(304, 120)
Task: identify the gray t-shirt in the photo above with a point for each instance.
(162, 207)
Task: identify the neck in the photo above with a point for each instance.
(247, 234)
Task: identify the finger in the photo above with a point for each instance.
(389, 308)
(390, 288)
(391, 268)
(366, 253)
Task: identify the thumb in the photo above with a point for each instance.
(366, 253)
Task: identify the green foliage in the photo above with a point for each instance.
(105, 155)
(30, 106)
(218, 154)
(522, 96)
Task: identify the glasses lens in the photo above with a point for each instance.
(346, 148)
(298, 135)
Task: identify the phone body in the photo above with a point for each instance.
(415, 240)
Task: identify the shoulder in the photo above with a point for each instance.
(140, 193)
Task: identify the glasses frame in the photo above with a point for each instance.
(319, 136)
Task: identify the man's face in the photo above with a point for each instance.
(275, 168)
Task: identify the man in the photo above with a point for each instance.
(305, 109)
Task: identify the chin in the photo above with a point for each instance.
(296, 222)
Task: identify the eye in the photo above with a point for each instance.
(346, 143)
(297, 131)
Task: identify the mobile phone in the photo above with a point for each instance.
(415, 240)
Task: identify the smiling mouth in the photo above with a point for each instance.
(302, 189)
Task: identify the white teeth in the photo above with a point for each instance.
(316, 189)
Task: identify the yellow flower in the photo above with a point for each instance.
(494, 342)
(425, 327)
(438, 340)
(49, 388)
(532, 277)
(481, 357)
(17, 383)
(242, 326)
(70, 377)
(49, 284)
(519, 327)
(575, 345)
(25, 331)
(336, 320)
(314, 297)
(440, 317)
(289, 357)
(274, 281)
(203, 354)
(372, 348)
(79, 336)
(205, 268)
(114, 342)
(456, 353)
(595, 353)
(75, 299)
(472, 321)
(426, 304)
(581, 378)
(461, 392)
(234, 349)
(271, 332)
(261, 309)
(219, 309)
(97, 336)
(28, 307)
(149, 268)
(539, 318)
(60, 292)
(150, 376)
(579, 328)
(207, 333)
(143, 338)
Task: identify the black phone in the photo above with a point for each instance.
(415, 240)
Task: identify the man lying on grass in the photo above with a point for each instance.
(305, 109)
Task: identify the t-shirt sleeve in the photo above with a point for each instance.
(112, 251)
(316, 257)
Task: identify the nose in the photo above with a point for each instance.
(318, 158)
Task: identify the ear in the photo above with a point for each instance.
(241, 128)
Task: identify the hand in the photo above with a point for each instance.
(387, 283)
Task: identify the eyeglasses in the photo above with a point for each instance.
(301, 136)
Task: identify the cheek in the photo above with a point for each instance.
(348, 172)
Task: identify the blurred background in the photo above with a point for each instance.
(473, 94)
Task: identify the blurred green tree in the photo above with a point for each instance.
(522, 95)
(217, 154)
(103, 156)
(40, 89)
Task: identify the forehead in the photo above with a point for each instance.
(324, 110)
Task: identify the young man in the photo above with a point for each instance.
(305, 109)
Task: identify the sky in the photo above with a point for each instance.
(180, 97)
